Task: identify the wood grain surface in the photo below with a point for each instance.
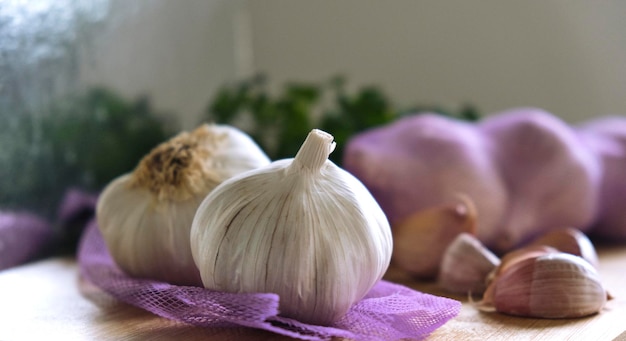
(47, 301)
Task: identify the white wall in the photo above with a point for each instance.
(568, 57)
(565, 56)
(178, 52)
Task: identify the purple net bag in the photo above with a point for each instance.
(26, 236)
(389, 311)
(22, 238)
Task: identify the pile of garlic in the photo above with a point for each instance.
(207, 208)
(553, 277)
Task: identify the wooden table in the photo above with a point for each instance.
(470, 324)
(47, 301)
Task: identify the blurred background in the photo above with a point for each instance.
(564, 56)
(87, 87)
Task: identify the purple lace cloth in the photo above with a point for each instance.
(389, 311)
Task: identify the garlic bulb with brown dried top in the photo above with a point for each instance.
(145, 216)
(302, 228)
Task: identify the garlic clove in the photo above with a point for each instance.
(421, 240)
(572, 241)
(552, 285)
(465, 265)
(516, 256)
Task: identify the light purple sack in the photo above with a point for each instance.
(23, 236)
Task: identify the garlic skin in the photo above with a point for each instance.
(465, 265)
(553, 285)
(302, 228)
(145, 216)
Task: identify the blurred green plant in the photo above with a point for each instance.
(84, 140)
(280, 122)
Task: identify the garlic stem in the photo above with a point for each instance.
(314, 151)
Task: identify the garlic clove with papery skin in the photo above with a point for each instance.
(145, 216)
(421, 240)
(518, 255)
(302, 228)
(570, 240)
(465, 265)
(553, 285)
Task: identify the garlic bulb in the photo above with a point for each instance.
(425, 160)
(606, 138)
(302, 228)
(145, 216)
(551, 177)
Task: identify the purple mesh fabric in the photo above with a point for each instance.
(389, 312)
(22, 237)
(74, 203)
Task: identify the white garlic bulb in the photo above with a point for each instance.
(145, 216)
(302, 228)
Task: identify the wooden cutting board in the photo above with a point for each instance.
(47, 301)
